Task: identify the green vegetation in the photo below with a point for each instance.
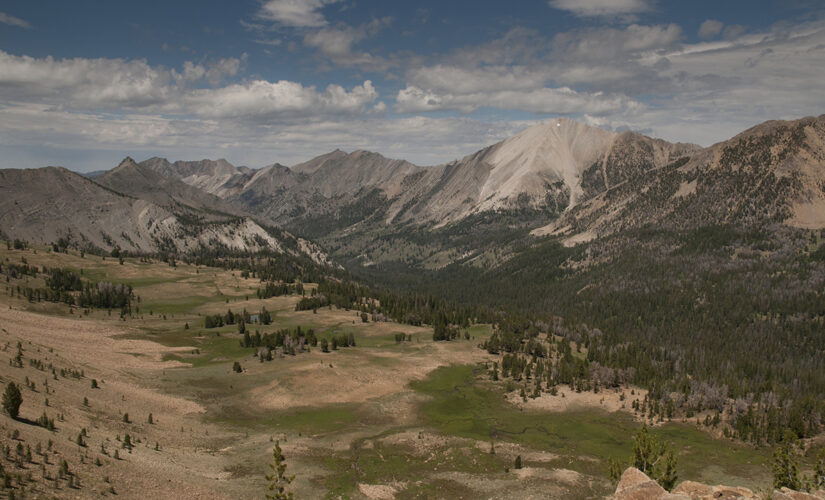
(12, 399)
(651, 456)
(463, 405)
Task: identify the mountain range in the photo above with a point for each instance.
(560, 179)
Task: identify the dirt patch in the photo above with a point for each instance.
(377, 491)
(357, 375)
(567, 400)
(89, 342)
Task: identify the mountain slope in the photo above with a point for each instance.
(772, 173)
(46, 204)
(550, 166)
(145, 183)
(217, 177)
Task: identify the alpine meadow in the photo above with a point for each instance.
(547, 249)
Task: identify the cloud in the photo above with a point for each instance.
(82, 82)
(262, 100)
(602, 8)
(295, 13)
(611, 46)
(13, 21)
(733, 31)
(214, 71)
(593, 70)
(717, 89)
(542, 100)
(710, 28)
(120, 86)
(102, 140)
(450, 78)
(336, 43)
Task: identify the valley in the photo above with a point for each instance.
(502, 325)
(379, 419)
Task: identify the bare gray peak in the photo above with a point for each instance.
(141, 181)
(126, 162)
(160, 165)
(45, 204)
(771, 173)
(217, 177)
(308, 167)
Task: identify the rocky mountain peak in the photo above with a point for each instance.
(127, 162)
(558, 150)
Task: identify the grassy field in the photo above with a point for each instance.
(410, 419)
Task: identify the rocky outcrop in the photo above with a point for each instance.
(636, 485)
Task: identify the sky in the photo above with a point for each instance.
(85, 83)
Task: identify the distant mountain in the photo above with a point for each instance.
(93, 174)
(561, 179)
(155, 214)
(773, 173)
(551, 167)
(140, 181)
(218, 177)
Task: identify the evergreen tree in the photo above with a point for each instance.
(654, 458)
(785, 470)
(12, 399)
(278, 480)
(819, 472)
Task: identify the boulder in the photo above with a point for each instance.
(636, 485)
(793, 495)
(699, 491)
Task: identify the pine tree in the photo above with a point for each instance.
(785, 470)
(12, 399)
(278, 480)
(127, 442)
(819, 472)
(654, 458)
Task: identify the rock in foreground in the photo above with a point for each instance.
(636, 485)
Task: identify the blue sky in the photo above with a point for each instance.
(83, 83)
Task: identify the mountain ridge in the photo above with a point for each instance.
(560, 178)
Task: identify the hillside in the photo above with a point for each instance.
(217, 177)
(548, 167)
(153, 214)
(141, 182)
(393, 413)
(772, 173)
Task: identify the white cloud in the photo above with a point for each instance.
(610, 46)
(13, 21)
(119, 86)
(457, 79)
(733, 31)
(602, 8)
(631, 76)
(334, 42)
(73, 139)
(260, 99)
(542, 100)
(337, 43)
(295, 13)
(717, 89)
(82, 82)
(710, 28)
(524, 73)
